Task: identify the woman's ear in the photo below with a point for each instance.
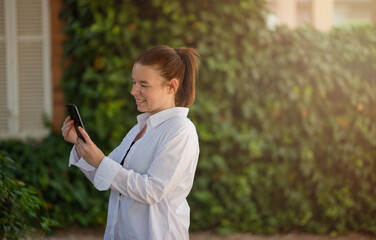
(173, 85)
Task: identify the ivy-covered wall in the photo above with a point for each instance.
(106, 37)
(291, 143)
(286, 118)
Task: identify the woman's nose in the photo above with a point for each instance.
(134, 90)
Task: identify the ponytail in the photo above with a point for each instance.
(185, 96)
(181, 64)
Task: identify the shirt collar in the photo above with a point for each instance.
(158, 118)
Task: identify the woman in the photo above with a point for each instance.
(151, 172)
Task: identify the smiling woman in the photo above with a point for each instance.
(151, 172)
(151, 92)
(177, 68)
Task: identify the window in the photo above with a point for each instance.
(25, 84)
(353, 12)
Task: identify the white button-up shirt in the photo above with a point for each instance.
(148, 193)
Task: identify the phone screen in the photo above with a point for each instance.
(75, 115)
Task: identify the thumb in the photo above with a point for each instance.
(84, 134)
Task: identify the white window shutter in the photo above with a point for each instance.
(30, 66)
(25, 83)
(3, 83)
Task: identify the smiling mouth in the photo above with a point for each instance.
(140, 101)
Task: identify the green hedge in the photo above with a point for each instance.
(292, 143)
(19, 204)
(286, 118)
(106, 37)
(69, 197)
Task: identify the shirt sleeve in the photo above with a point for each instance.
(174, 160)
(86, 168)
(106, 173)
(96, 175)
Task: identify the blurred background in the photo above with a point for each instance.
(285, 109)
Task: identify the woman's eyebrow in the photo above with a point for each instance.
(141, 81)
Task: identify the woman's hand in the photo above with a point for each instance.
(68, 131)
(88, 151)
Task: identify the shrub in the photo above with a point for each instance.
(293, 147)
(106, 37)
(44, 165)
(19, 203)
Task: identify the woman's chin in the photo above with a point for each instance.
(141, 109)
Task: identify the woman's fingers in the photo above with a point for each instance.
(67, 131)
(84, 134)
(67, 119)
(79, 147)
(67, 127)
(88, 150)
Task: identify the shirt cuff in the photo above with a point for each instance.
(106, 173)
(75, 160)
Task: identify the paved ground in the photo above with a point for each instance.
(294, 236)
(97, 234)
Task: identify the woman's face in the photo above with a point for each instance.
(150, 90)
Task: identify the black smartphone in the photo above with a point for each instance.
(75, 115)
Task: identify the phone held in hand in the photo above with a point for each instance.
(75, 115)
